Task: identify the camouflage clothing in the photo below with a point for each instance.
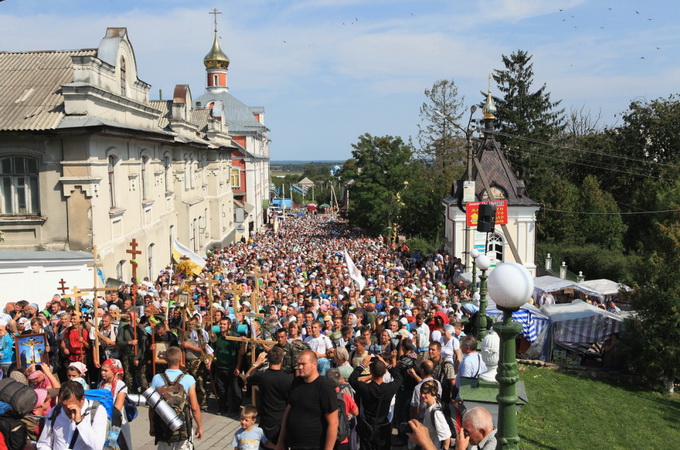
(291, 352)
(197, 369)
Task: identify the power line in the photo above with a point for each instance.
(630, 213)
(591, 165)
(585, 150)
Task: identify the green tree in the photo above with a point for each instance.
(438, 137)
(553, 224)
(531, 116)
(423, 214)
(652, 338)
(603, 224)
(381, 171)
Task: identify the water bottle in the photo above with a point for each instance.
(112, 438)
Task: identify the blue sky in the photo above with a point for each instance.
(328, 71)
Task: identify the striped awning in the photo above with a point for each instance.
(531, 319)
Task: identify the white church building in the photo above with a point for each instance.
(491, 180)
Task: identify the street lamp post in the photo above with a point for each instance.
(483, 262)
(510, 286)
(474, 253)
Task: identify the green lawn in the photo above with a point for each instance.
(567, 411)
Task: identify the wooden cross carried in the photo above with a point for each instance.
(133, 261)
(256, 291)
(62, 287)
(252, 340)
(210, 284)
(237, 292)
(134, 252)
(118, 315)
(79, 315)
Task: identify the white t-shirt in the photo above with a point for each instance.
(319, 344)
(439, 431)
(449, 348)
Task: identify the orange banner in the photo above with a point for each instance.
(472, 212)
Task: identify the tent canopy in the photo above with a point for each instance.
(599, 288)
(578, 309)
(549, 283)
(604, 286)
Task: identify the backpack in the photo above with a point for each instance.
(176, 396)
(449, 421)
(22, 398)
(103, 397)
(14, 433)
(343, 424)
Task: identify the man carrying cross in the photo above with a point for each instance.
(132, 352)
(198, 357)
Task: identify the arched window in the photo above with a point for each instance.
(123, 77)
(112, 160)
(494, 248)
(19, 192)
(215, 80)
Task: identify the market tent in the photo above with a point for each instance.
(601, 288)
(576, 326)
(549, 283)
(533, 321)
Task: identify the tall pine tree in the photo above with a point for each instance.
(527, 117)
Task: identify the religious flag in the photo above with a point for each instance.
(354, 273)
(179, 251)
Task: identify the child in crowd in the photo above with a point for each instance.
(250, 436)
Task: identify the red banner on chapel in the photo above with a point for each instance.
(472, 212)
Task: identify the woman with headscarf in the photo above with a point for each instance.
(112, 380)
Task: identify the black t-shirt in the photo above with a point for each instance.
(275, 388)
(310, 402)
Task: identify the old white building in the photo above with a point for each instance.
(87, 159)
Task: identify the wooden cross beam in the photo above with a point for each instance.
(212, 283)
(133, 261)
(76, 297)
(236, 292)
(256, 291)
(118, 315)
(62, 286)
(251, 340)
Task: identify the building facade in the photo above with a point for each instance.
(88, 160)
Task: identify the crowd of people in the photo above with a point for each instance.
(334, 365)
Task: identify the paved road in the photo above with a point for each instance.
(217, 431)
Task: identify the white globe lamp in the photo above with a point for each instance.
(510, 285)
